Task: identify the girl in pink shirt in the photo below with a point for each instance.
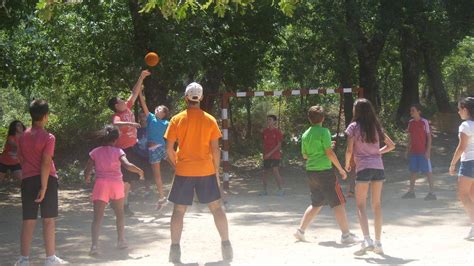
(365, 134)
(109, 185)
(8, 158)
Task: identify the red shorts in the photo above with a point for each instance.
(106, 190)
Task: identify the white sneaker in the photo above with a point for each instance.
(299, 236)
(470, 236)
(55, 261)
(367, 245)
(22, 262)
(349, 239)
(378, 248)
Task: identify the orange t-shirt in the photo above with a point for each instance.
(193, 129)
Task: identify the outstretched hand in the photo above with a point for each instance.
(145, 73)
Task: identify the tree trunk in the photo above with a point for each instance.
(433, 71)
(345, 76)
(410, 71)
(211, 83)
(368, 77)
(248, 107)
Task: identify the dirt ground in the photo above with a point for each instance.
(415, 232)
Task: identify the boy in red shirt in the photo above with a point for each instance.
(39, 184)
(124, 119)
(272, 138)
(419, 151)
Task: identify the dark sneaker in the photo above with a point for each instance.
(430, 196)
(409, 195)
(127, 211)
(175, 253)
(227, 252)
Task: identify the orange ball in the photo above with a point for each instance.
(152, 59)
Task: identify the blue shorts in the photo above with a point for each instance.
(156, 154)
(370, 175)
(206, 188)
(419, 164)
(466, 169)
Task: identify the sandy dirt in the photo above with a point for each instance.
(415, 232)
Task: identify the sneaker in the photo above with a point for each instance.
(127, 211)
(55, 261)
(299, 235)
(470, 236)
(280, 193)
(349, 239)
(175, 253)
(227, 251)
(94, 251)
(430, 196)
(378, 248)
(263, 193)
(22, 262)
(122, 244)
(367, 245)
(409, 195)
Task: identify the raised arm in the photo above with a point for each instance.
(138, 86)
(141, 98)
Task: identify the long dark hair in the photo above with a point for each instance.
(364, 116)
(12, 127)
(468, 103)
(108, 134)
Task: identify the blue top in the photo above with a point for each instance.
(155, 129)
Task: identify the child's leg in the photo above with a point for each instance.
(266, 173)
(361, 198)
(220, 219)
(309, 216)
(412, 181)
(27, 230)
(120, 218)
(278, 178)
(341, 218)
(49, 235)
(176, 224)
(377, 207)
(99, 208)
(465, 187)
(429, 176)
(157, 174)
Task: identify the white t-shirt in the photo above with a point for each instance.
(467, 127)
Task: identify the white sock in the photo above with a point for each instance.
(24, 257)
(378, 242)
(51, 257)
(367, 238)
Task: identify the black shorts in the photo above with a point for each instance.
(206, 188)
(30, 187)
(270, 163)
(133, 158)
(370, 175)
(5, 167)
(325, 189)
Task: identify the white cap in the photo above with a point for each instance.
(193, 92)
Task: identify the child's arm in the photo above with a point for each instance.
(349, 151)
(143, 103)
(138, 86)
(216, 157)
(407, 152)
(389, 145)
(171, 153)
(463, 139)
(46, 160)
(130, 166)
(88, 170)
(332, 156)
(428, 145)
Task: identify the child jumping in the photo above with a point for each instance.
(156, 128)
(316, 148)
(364, 136)
(465, 152)
(8, 158)
(39, 184)
(124, 119)
(419, 151)
(272, 138)
(107, 160)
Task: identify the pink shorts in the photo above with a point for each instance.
(106, 190)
